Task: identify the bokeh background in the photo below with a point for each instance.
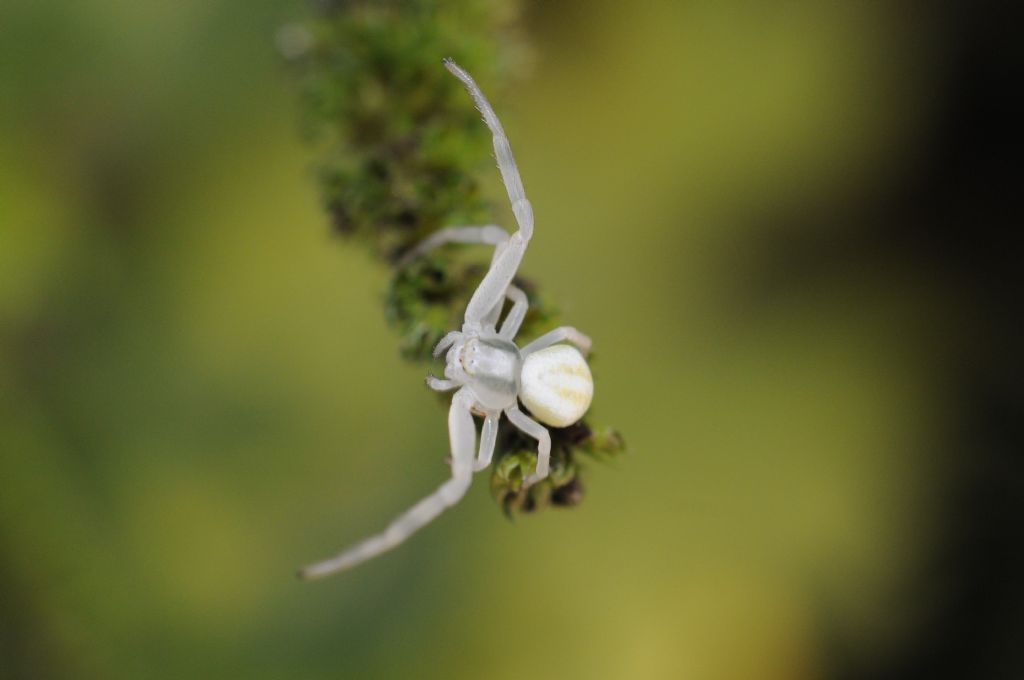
(785, 225)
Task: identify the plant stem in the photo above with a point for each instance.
(400, 149)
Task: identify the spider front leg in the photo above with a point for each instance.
(462, 435)
(531, 427)
(521, 207)
(492, 289)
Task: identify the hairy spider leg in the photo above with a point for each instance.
(506, 262)
(502, 150)
(462, 435)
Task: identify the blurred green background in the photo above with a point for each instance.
(737, 201)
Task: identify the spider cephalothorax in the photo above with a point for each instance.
(488, 371)
(490, 364)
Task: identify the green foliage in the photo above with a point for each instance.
(563, 486)
(401, 151)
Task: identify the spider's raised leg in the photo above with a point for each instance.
(534, 429)
(556, 336)
(502, 151)
(489, 234)
(462, 433)
(505, 263)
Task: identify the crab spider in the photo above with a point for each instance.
(488, 371)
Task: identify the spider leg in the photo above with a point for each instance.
(496, 281)
(514, 319)
(506, 262)
(447, 341)
(502, 151)
(515, 315)
(487, 235)
(462, 434)
(488, 437)
(556, 336)
(534, 429)
(440, 384)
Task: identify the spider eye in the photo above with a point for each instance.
(467, 356)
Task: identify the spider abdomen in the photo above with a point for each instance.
(556, 385)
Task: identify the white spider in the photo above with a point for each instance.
(491, 373)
